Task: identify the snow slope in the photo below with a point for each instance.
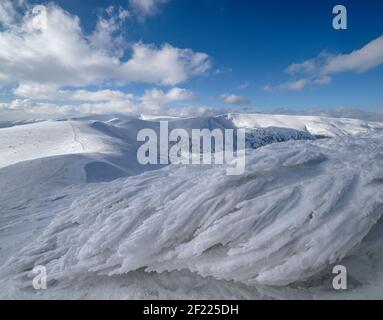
(318, 126)
(46, 139)
(53, 138)
(300, 207)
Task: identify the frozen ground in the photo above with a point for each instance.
(74, 199)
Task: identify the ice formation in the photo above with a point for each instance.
(275, 231)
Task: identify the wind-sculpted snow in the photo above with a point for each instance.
(317, 126)
(300, 207)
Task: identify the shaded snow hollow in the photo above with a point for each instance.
(300, 207)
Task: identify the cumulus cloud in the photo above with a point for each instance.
(155, 99)
(106, 36)
(51, 63)
(51, 92)
(146, 7)
(167, 65)
(234, 99)
(49, 100)
(48, 109)
(319, 70)
(49, 46)
(9, 11)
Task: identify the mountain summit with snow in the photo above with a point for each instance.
(76, 200)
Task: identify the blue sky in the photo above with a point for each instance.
(249, 44)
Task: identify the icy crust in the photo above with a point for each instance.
(299, 207)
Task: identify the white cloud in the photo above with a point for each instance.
(364, 59)
(244, 85)
(31, 108)
(322, 80)
(319, 70)
(339, 112)
(311, 67)
(295, 85)
(51, 92)
(268, 88)
(20, 108)
(155, 99)
(187, 112)
(146, 7)
(100, 95)
(234, 99)
(305, 67)
(222, 71)
(50, 62)
(49, 46)
(106, 35)
(78, 102)
(9, 11)
(167, 65)
(18, 104)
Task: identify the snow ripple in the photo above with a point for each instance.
(299, 207)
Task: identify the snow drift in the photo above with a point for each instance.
(300, 207)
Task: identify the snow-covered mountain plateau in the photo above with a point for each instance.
(75, 200)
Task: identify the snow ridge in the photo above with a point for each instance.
(74, 199)
(299, 207)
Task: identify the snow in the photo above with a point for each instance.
(45, 139)
(75, 200)
(52, 138)
(322, 126)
